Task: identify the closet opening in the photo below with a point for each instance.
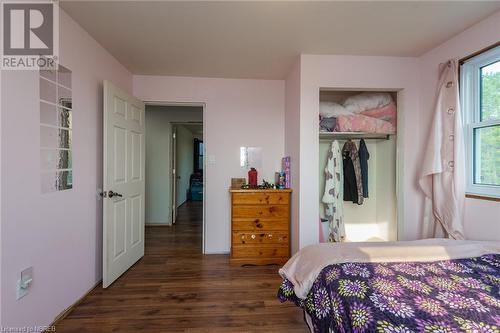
(357, 165)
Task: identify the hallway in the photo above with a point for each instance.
(174, 288)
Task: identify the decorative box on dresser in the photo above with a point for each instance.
(260, 226)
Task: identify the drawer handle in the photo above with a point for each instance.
(253, 236)
(270, 235)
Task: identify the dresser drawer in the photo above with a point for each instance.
(256, 198)
(256, 211)
(259, 225)
(255, 238)
(260, 251)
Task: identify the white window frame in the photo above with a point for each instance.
(470, 99)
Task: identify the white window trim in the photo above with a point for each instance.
(470, 102)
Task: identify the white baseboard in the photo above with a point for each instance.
(157, 224)
(218, 252)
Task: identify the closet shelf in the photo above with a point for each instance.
(328, 136)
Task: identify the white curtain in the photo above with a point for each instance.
(443, 176)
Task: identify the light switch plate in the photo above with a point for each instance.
(26, 275)
(211, 159)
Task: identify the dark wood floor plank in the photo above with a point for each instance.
(175, 288)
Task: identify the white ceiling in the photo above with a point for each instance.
(262, 39)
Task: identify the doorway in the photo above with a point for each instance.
(187, 156)
(173, 179)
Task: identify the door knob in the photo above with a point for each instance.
(114, 194)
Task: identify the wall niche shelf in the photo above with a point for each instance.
(328, 136)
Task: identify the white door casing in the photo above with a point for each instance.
(173, 176)
(123, 168)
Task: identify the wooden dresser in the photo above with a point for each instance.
(260, 226)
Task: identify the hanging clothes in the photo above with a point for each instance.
(353, 186)
(364, 156)
(443, 176)
(332, 197)
(350, 186)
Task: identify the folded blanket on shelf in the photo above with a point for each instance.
(331, 109)
(363, 123)
(328, 124)
(367, 101)
(386, 113)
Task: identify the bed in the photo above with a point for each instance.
(417, 286)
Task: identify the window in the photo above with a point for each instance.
(56, 130)
(198, 156)
(480, 99)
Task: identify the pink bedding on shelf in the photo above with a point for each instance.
(381, 120)
(387, 113)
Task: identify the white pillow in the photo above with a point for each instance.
(332, 109)
(367, 101)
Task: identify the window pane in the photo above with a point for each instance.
(487, 155)
(48, 114)
(64, 76)
(490, 91)
(56, 181)
(47, 91)
(51, 137)
(52, 159)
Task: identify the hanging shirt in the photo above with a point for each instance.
(364, 156)
(352, 173)
(333, 195)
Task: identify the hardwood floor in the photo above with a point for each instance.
(175, 288)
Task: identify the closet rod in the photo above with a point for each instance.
(329, 136)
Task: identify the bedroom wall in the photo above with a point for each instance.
(353, 73)
(158, 161)
(482, 218)
(237, 113)
(184, 165)
(59, 234)
(292, 145)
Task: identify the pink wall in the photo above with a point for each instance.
(292, 144)
(59, 234)
(482, 218)
(358, 72)
(237, 113)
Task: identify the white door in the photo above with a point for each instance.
(124, 186)
(174, 174)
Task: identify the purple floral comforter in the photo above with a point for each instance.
(450, 296)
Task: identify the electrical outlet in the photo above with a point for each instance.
(24, 283)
